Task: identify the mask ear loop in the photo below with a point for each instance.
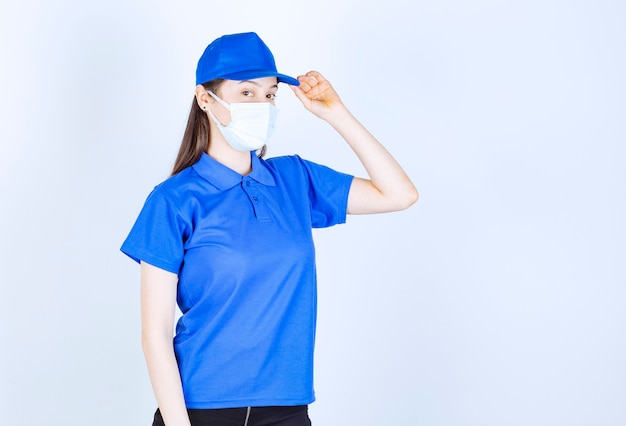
(214, 118)
(221, 102)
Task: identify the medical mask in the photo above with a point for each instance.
(251, 125)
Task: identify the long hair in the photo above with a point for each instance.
(197, 133)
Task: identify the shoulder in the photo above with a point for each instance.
(294, 170)
(284, 167)
(179, 186)
(288, 164)
(178, 194)
(295, 163)
(284, 162)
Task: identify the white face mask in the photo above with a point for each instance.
(251, 123)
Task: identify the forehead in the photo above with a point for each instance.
(260, 83)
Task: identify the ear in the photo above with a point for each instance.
(202, 97)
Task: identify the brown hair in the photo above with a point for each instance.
(196, 137)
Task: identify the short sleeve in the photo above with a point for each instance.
(158, 235)
(328, 194)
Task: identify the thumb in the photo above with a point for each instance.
(301, 95)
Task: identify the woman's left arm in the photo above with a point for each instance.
(388, 187)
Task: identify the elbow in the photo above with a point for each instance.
(415, 195)
(407, 199)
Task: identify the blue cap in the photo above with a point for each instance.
(238, 57)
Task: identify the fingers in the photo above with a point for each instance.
(316, 93)
(316, 75)
(307, 83)
(300, 95)
(311, 80)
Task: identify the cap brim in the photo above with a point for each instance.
(250, 75)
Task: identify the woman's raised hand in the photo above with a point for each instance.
(317, 94)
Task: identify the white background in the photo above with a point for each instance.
(498, 299)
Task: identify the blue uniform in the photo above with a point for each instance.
(243, 250)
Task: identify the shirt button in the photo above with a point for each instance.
(255, 199)
(247, 183)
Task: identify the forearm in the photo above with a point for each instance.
(393, 190)
(165, 379)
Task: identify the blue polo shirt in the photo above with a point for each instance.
(243, 250)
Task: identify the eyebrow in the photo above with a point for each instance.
(257, 84)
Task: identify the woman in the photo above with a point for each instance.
(228, 237)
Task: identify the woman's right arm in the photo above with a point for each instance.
(158, 307)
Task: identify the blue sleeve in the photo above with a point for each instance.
(158, 235)
(328, 194)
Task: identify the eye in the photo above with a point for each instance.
(271, 96)
(247, 93)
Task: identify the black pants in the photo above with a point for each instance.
(255, 416)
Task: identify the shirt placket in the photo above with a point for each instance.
(252, 190)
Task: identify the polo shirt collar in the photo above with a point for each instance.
(224, 177)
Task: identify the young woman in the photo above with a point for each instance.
(228, 237)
